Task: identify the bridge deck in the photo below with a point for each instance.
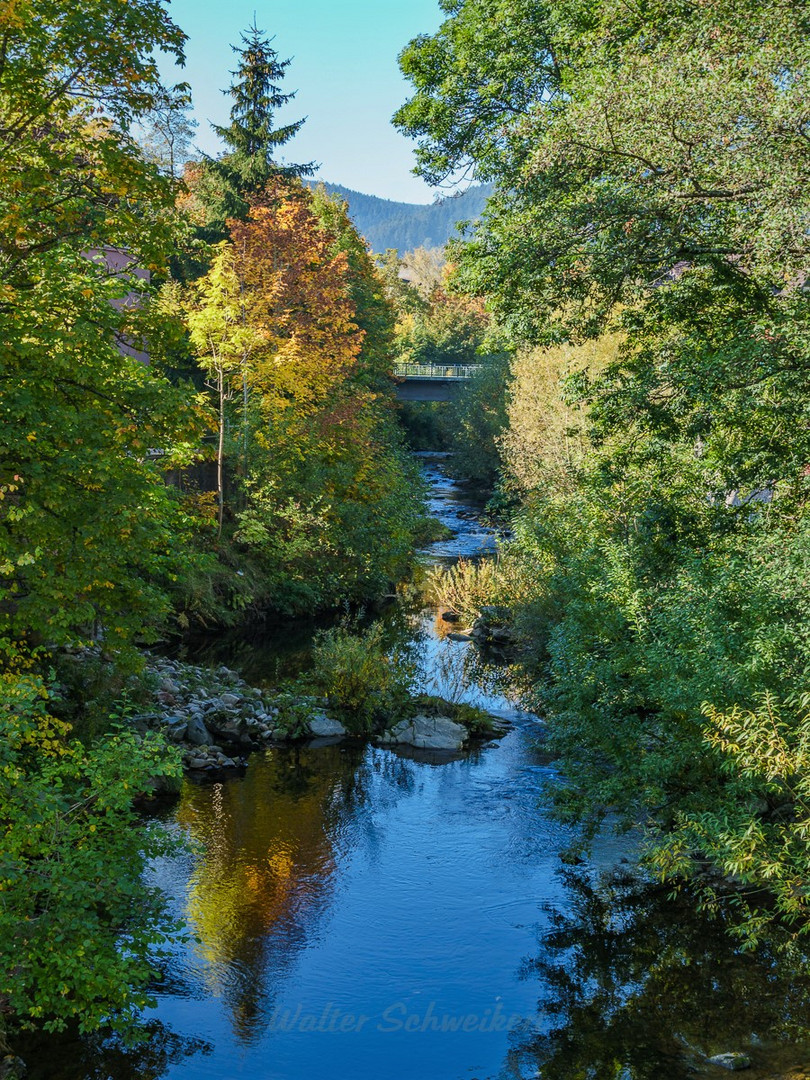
(434, 371)
(431, 382)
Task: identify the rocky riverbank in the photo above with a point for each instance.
(217, 719)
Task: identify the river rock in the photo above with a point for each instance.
(197, 733)
(230, 700)
(324, 727)
(228, 729)
(428, 733)
(460, 635)
(176, 728)
(733, 1061)
(197, 763)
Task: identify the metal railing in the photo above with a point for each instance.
(434, 371)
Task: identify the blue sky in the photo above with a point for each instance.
(344, 67)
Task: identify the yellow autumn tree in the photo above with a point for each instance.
(297, 296)
(323, 503)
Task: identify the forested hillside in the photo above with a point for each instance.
(405, 226)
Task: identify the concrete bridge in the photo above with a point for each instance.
(431, 382)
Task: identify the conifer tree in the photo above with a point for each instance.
(253, 143)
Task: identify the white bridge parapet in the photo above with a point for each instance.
(434, 371)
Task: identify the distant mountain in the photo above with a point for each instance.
(406, 226)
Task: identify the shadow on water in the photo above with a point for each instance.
(263, 655)
(74, 1057)
(637, 984)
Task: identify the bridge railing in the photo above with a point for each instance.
(434, 371)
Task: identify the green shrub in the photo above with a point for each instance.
(296, 708)
(759, 832)
(364, 682)
(466, 587)
(80, 930)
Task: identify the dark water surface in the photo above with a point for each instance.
(362, 914)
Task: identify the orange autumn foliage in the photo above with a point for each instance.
(297, 297)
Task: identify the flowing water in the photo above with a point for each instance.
(359, 913)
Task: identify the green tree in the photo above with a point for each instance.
(544, 440)
(477, 80)
(90, 536)
(251, 157)
(615, 163)
(225, 342)
(652, 167)
(294, 313)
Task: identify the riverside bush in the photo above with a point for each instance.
(660, 442)
(465, 587)
(80, 931)
(364, 681)
(765, 757)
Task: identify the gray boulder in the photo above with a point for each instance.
(229, 729)
(176, 728)
(198, 763)
(733, 1061)
(324, 727)
(197, 733)
(428, 733)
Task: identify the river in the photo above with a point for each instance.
(358, 913)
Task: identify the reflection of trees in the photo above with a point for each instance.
(69, 1056)
(260, 658)
(641, 986)
(268, 849)
(264, 869)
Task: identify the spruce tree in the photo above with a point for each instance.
(252, 141)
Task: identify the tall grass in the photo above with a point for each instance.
(466, 587)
